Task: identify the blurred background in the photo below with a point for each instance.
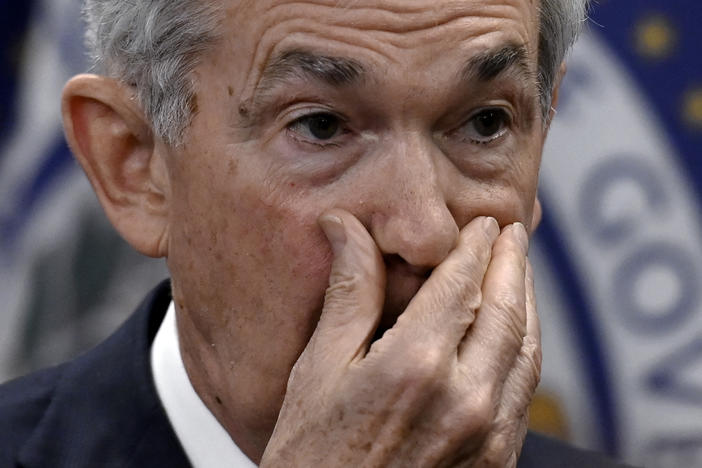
(618, 255)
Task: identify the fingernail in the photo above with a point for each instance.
(521, 235)
(492, 226)
(333, 228)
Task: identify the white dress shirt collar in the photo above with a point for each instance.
(206, 443)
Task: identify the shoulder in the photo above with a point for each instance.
(545, 452)
(99, 409)
(23, 403)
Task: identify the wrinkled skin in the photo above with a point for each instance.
(292, 237)
(447, 385)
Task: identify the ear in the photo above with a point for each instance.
(113, 142)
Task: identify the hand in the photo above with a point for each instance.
(448, 385)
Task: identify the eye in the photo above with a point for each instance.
(319, 127)
(487, 125)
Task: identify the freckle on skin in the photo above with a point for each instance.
(230, 90)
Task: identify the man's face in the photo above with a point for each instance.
(415, 115)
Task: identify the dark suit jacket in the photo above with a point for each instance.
(101, 410)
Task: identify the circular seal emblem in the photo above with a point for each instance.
(618, 256)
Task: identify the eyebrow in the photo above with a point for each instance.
(491, 64)
(342, 71)
(334, 71)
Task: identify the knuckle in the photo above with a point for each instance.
(476, 414)
(463, 299)
(427, 364)
(482, 412)
(511, 313)
(529, 361)
(471, 295)
(464, 287)
(511, 305)
(341, 286)
(469, 266)
(531, 349)
(422, 368)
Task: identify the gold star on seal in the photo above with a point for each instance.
(655, 37)
(547, 415)
(692, 108)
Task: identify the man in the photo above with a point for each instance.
(343, 191)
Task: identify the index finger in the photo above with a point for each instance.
(443, 309)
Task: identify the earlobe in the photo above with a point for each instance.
(112, 140)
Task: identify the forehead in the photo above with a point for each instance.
(414, 34)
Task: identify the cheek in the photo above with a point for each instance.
(308, 252)
(508, 198)
(240, 251)
(295, 254)
(518, 188)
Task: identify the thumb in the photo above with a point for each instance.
(353, 301)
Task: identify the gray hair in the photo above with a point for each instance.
(560, 23)
(154, 45)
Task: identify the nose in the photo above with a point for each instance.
(413, 220)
